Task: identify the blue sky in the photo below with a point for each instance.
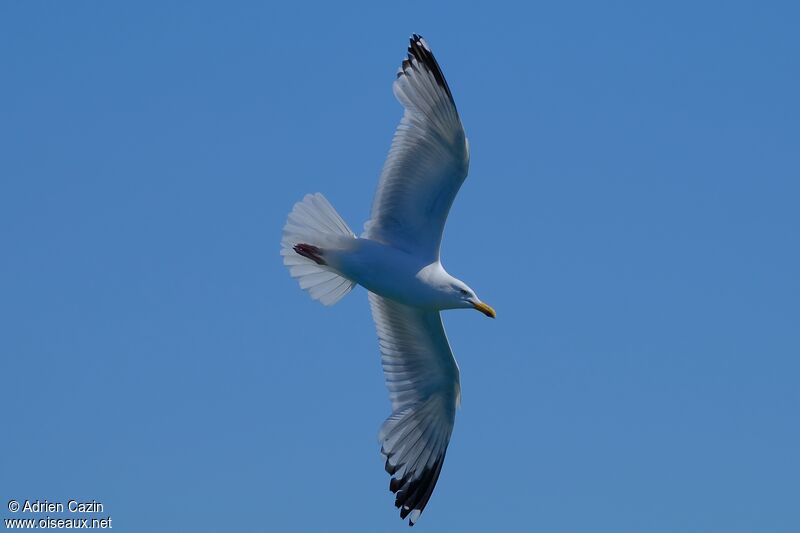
(631, 213)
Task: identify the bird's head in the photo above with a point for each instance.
(464, 297)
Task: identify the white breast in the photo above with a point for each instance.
(391, 273)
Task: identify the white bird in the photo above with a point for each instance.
(397, 260)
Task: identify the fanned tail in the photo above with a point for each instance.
(312, 227)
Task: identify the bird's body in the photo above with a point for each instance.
(392, 273)
(397, 261)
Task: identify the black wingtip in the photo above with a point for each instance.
(414, 491)
(390, 469)
(418, 49)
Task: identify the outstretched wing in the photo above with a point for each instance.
(427, 162)
(423, 381)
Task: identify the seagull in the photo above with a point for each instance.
(397, 260)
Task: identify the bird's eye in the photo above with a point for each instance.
(464, 292)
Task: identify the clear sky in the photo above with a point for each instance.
(631, 212)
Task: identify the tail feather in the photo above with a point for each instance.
(312, 226)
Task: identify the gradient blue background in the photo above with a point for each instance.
(631, 212)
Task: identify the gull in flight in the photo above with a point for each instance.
(397, 260)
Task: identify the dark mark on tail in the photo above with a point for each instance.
(310, 252)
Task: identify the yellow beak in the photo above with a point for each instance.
(485, 309)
